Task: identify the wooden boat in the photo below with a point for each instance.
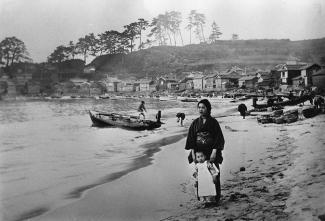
(104, 96)
(309, 112)
(189, 99)
(102, 119)
(294, 101)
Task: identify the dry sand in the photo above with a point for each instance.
(284, 179)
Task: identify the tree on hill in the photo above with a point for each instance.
(108, 42)
(165, 25)
(60, 54)
(131, 32)
(235, 37)
(196, 20)
(191, 23)
(142, 26)
(72, 51)
(87, 45)
(157, 30)
(215, 33)
(174, 20)
(13, 50)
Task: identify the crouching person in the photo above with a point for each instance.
(180, 118)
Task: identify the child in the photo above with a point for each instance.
(206, 175)
(180, 118)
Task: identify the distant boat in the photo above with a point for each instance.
(188, 99)
(167, 98)
(102, 119)
(104, 96)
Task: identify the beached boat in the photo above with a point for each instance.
(294, 101)
(188, 99)
(309, 112)
(167, 98)
(278, 117)
(104, 96)
(102, 119)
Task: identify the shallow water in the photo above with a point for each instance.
(50, 153)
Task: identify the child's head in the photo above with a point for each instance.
(200, 157)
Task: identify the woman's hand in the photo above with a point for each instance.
(213, 155)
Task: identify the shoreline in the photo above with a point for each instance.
(146, 159)
(77, 209)
(262, 191)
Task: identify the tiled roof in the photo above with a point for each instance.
(247, 78)
(319, 73)
(297, 78)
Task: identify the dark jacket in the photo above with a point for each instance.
(205, 137)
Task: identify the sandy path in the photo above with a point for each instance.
(287, 183)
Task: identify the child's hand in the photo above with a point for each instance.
(195, 174)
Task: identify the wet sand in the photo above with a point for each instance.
(284, 179)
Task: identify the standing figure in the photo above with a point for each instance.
(205, 135)
(158, 116)
(242, 110)
(142, 109)
(180, 118)
(206, 176)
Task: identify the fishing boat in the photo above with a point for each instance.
(309, 112)
(104, 96)
(187, 99)
(294, 101)
(103, 119)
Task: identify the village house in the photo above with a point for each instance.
(162, 83)
(144, 85)
(185, 84)
(227, 80)
(293, 70)
(127, 86)
(198, 81)
(297, 83)
(33, 87)
(264, 79)
(90, 69)
(275, 75)
(318, 79)
(172, 86)
(111, 84)
(4, 84)
(211, 82)
(236, 71)
(11, 88)
(247, 81)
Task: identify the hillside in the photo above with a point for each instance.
(219, 56)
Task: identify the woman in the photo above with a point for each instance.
(205, 135)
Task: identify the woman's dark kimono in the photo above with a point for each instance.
(206, 137)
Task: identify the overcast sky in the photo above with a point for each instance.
(45, 24)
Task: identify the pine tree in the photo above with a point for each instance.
(215, 33)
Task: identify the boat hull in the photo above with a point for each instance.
(285, 103)
(101, 119)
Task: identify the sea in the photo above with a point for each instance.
(50, 153)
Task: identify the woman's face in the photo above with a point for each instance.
(202, 109)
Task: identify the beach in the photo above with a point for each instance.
(270, 172)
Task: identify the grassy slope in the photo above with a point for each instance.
(224, 54)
